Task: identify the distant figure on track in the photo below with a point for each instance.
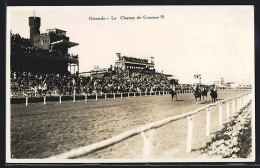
(204, 93)
(197, 93)
(173, 92)
(213, 93)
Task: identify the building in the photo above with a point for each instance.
(231, 84)
(134, 63)
(222, 80)
(48, 52)
(96, 72)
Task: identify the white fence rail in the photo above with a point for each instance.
(242, 100)
(125, 94)
(23, 94)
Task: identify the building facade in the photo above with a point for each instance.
(134, 63)
(48, 52)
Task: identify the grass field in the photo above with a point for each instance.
(39, 131)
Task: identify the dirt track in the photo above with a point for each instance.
(39, 131)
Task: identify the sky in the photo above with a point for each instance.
(214, 41)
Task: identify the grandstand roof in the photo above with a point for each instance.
(221, 85)
(65, 43)
(56, 30)
(139, 63)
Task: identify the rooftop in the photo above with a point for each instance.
(56, 30)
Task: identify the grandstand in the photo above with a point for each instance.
(39, 66)
(134, 63)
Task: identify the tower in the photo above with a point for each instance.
(35, 24)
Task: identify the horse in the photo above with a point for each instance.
(204, 93)
(173, 94)
(214, 95)
(197, 94)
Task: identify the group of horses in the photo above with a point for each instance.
(200, 92)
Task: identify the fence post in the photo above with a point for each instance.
(242, 100)
(105, 96)
(74, 95)
(189, 134)
(150, 93)
(159, 92)
(145, 93)
(233, 106)
(147, 146)
(121, 95)
(163, 92)
(220, 114)
(227, 109)
(140, 94)
(35, 92)
(44, 100)
(155, 93)
(86, 97)
(96, 96)
(134, 94)
(114, 96)
(60, 99)
(238, 104)
(241, 105)
(128, 95)
(207, 121)
(26, 101)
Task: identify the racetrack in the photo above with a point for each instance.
(39, 131)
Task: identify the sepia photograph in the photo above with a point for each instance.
(130, 84)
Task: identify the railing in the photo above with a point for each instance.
(106, 96)
(242, 100)
(32, 93)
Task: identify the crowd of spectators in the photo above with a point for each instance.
(118, 81)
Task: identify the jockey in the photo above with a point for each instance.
(173, 88)
(196, 87)
(215, 88)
